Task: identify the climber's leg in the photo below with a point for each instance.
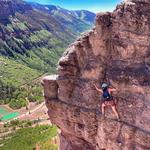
(115, 111)
(103, 109)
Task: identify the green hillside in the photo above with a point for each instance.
(27, 138)
(15, 73)
(16, 83)
(31, 42)
(33, 45)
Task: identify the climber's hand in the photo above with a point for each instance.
(94, 85)
(112, 89)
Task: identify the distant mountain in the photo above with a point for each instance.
(83, 15)
(75, 20)
(28, 29)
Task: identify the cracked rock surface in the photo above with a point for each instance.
(118, 50)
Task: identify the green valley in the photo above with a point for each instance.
(32, 39)
(28, 138)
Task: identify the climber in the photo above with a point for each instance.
(107, 98)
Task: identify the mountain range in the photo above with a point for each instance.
(28, 27)
(33, 37)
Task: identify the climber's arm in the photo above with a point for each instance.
(99, 90)
(112, 90)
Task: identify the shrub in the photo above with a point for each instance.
(17, 104)
(14, 122)
(31, 98)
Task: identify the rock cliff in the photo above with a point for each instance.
(117, 50)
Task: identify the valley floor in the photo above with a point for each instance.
(34, 112)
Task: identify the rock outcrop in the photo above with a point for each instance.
(117, 50)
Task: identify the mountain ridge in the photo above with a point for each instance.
(77, 13)
(22, 26)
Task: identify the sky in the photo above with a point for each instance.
(91, 5)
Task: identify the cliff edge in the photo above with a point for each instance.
(117, 50)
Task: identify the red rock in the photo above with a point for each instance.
(116, 50)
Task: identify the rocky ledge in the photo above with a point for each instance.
(117, 50)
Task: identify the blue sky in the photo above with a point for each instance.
(92, 5)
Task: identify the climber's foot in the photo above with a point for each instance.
(118, 119)
(98, 112)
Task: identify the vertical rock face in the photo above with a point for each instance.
(118, 50)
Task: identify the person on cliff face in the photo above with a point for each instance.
(107, 99)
